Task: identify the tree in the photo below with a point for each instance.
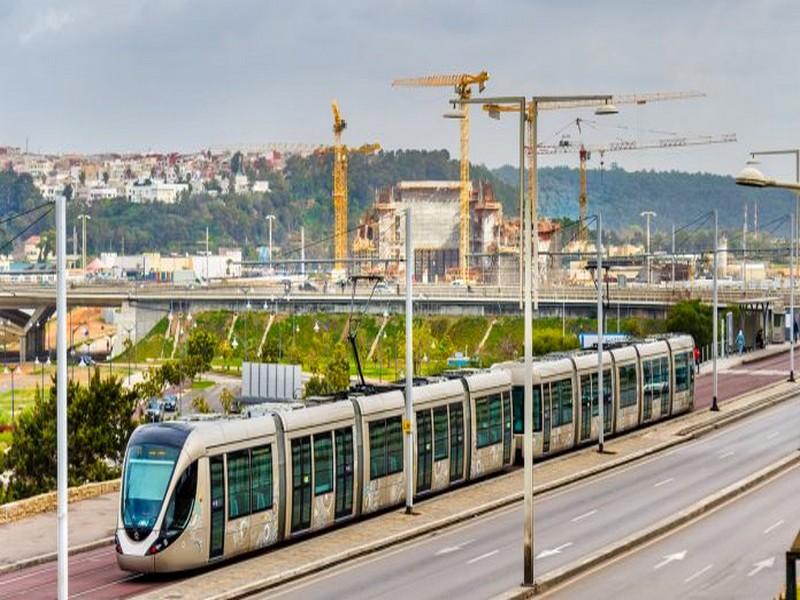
(200, 405)
(692, 317)
(226, 399)
(46, 245)
(100, 422)
(201, 346)
(270, 351)
(335, 376)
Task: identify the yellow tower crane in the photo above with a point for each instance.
(340, 156)
(494, 111)
(463, 83)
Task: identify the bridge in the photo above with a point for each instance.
(25, 306)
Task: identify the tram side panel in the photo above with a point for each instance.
(384, 447)
(491, 426)
(682, 374)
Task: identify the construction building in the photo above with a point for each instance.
(436, 226)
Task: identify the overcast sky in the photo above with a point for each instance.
(105, 75)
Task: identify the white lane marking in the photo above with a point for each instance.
(456, 548)
(584, 515)
(482, 556)
(773, 526)
(772, 435)
(665, 482)
(762, 564)
(726, 454)
(553, 551)
(107, 585)
(668, 558)
(696, 575)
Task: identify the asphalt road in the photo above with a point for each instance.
(484, 557)
(735, 552)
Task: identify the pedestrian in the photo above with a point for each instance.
(697, 359)
(759, 339)
(740, 342)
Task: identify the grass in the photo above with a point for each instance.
(5, 440)
(22, 399)
(202, 384)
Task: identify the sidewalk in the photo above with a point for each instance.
(734, 360)
(90, 520)
(314, 554)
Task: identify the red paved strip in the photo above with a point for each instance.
(93, 575)
(742, 379)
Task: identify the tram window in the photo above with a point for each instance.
(261, 474)
(440, 433)
(562, 402)
(180, 505)
(665, 374)
(456, 441)
(518, 407)
(238, 484)
(489, 415)
(394, 445)
(627, 386)
(385, 447)
(682, 372)
(537, 408)
(323, 463)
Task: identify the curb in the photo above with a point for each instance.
(51, 556)
(664, 526)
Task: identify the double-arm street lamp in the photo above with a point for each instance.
(752, 177)
(529, 111)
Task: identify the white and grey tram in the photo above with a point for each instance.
(197, 492)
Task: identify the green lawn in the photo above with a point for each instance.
(22, 399)
(202, 384)
(5, 440)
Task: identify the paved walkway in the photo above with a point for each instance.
(321, 548)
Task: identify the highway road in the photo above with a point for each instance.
(736, 551)
(484, 557)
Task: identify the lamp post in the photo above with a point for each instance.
(530, 113)
(13, 370)
(83, 218)
(131, 348)
(270, 219)
(647, 214)
(752, 177)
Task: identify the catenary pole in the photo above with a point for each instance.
(61, 390)
(715, 317)
(409, 414)
(528, 225)
(600, 399)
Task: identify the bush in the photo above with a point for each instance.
(692, 317)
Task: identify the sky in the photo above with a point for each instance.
(164, 75)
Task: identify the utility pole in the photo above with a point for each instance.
(792, 260)
(83, 217)
(647, 215)
(673, 260)
(600, 398)
(74, 240)
(408, 427)
(270, 219)
(61, 391)
(715, 317)
(302, 251)
(744, 249)
(208, 283)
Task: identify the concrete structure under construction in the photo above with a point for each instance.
(436, 208)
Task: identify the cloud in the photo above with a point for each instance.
(50, 20)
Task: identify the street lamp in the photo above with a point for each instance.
(270, 219)
(13, 370)
(83, 218)
(647, 214)
(750, 176)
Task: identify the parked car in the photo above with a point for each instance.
(154, 411)
(170, 403)
(307, 286)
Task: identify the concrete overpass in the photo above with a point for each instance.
(26, 305)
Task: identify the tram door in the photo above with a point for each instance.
(344, 472)
(301, 483)
(507, 433)
(546, 406)
(424, 450)
(216, 545)
(587, 396)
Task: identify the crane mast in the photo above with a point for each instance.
(463, 84)
(339, 190)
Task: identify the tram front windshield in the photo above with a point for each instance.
(148, 470)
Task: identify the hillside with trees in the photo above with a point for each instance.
(301, 196)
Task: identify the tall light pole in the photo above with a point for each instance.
(530, 112)
(408, 421)
(83, 218)
(752, 177)
(61, 389)
(600, 396)
(270, 219)
(715, 316)
(647, 214)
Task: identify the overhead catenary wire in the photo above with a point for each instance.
(10, 218)
(25, 230)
